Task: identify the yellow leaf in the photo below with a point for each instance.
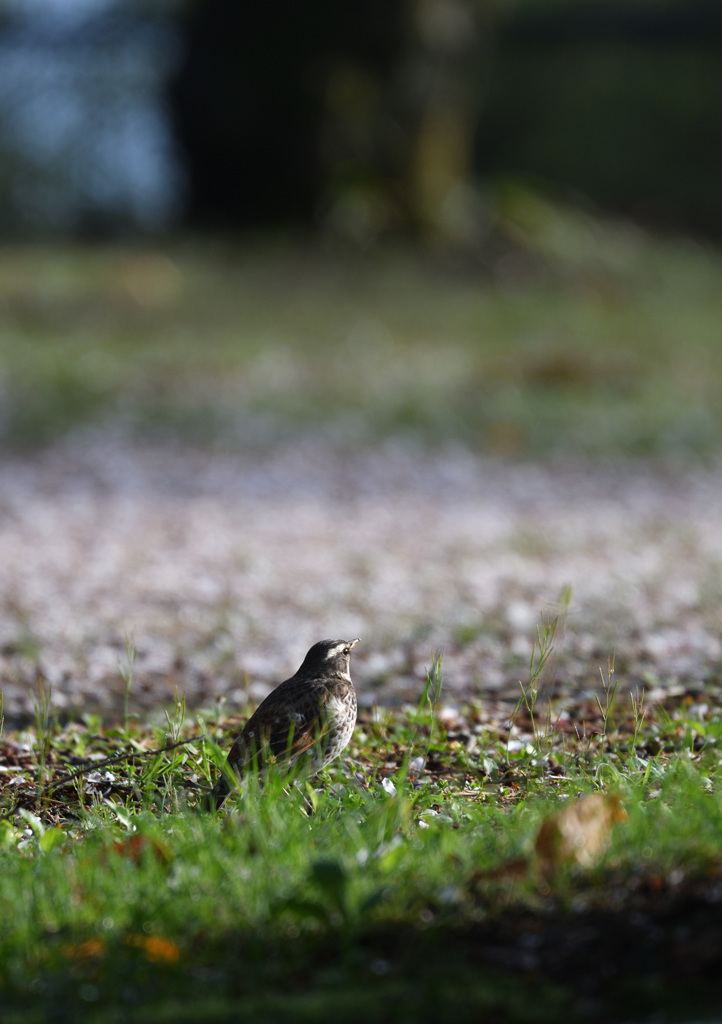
(88, 950)
(155, 948)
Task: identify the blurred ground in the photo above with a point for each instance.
(224, 568)
(228, 452)
(576, 337)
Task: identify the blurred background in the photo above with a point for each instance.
(144, 115)
(297, 234)
(503, 215)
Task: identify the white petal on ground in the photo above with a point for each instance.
(224, 568)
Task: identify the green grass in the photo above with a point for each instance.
(410, 883)
(576, 337)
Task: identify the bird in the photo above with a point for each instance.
(311, 715)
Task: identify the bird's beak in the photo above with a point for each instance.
(352, 643)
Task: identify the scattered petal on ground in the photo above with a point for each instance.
(224, 568)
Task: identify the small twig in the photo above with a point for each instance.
(71, 776)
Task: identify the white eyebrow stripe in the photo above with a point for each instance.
(333, 651)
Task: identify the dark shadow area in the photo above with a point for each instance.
(650, 950)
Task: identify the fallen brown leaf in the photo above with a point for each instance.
(134, 848)
(579, 834)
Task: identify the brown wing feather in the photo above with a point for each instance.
(288, 723)
(294, 717)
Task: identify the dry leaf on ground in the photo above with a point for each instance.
(579, 834)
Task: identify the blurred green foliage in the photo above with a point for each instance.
(406, 105)
(370, 123)
(576, 336)
(618, 102)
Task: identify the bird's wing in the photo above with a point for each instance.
(288, 725)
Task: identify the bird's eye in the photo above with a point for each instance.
(346, 650)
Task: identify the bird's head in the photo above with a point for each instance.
(329, 656)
